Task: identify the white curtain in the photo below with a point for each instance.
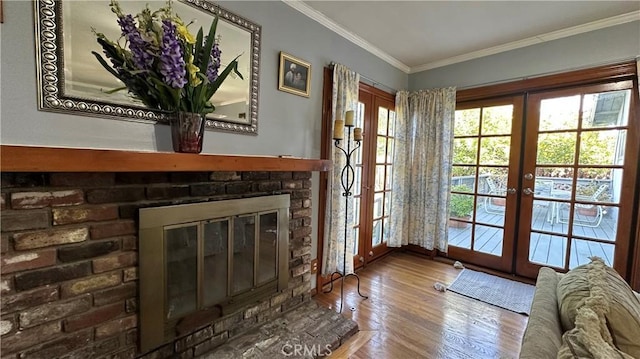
(422, 168)
(339, 208)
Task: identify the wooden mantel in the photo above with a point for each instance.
(50, 159)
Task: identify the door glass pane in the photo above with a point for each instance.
(559, 113)
(556, 148)
(461, 205)
(377, 233)
(560, 212)
(377, 205)
(381, 149)
(181, 250)
(459, 234)
(385, 230)
(495, 150)
(357, 156)
(268, 247)
(467, 122)
(389, 176)
(463, 175)
(465, 151)
(383, 114)
(547, 249)
(379, 178)
(357, 182)
(390, 150)
(595, 221)
(606, 109)
(493, 180)
(543, 216)
(496, 120)
(602, 147)
(591, 190)
(244, 229)
(490, 210)
(356, 240)
(387, 203)
(553, 182)
(591, 179)
(488, 240)
(392, 123)
(216, 241)
(356, 210)
(581, 250)
(359, 118)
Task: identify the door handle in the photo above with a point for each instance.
(511, 190)
(527, 191)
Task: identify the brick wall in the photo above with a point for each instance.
(69, 278)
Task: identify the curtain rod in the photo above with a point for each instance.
(371, 81)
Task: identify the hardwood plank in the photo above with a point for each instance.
(49, 159)
(353, 344)
(413, 320)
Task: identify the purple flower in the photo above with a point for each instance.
(214, 62)
(171, 57)
(138, 46)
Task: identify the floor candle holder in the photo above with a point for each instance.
(347, 179)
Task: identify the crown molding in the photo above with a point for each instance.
(331, 25)
(554, 35)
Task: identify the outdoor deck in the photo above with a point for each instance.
(545, 248)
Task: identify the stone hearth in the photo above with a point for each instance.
(309, 331)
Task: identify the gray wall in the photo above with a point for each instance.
(280, 114)
(609, 45)
(288, 124)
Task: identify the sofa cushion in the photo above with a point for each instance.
(590, 337)
(616, 304)
(542, 338)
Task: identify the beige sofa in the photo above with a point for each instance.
(543, 334)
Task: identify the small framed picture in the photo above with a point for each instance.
(294, 75)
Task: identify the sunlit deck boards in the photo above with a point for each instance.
(545, 248)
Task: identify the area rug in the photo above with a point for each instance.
(504, 293)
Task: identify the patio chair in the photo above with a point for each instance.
(582, 218)
(495, 188)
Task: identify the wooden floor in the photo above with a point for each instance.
(405, 317)
(544, 248)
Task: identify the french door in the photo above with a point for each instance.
(545, 179)
(579, 178)
(483, 205)
(373, 168)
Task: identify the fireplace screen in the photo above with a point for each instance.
(215, 258)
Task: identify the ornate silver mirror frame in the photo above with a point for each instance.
(54, 94)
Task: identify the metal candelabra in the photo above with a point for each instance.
(347, 179)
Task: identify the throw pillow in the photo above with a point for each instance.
(590, 337)
(604, 292)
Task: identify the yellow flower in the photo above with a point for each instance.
(192, 69)
(186, 35)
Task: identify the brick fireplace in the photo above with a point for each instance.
(69, 280)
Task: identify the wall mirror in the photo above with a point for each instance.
(72, 81)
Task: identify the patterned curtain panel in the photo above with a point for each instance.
(422, 173)
(338, 210)
(400, 192)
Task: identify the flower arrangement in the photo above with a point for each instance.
(162, 64)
